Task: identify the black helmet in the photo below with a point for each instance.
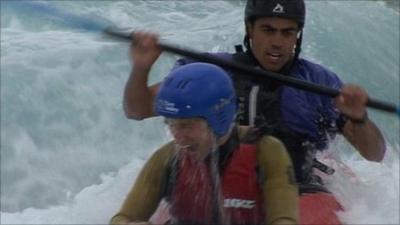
(291, 9)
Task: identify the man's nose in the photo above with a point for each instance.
(276, 40)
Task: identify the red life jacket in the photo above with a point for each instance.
(240, 199)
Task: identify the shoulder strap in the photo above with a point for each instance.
(244, 58)
(171, 174)
(252, 135)
(238, 48)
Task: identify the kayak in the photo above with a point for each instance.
(318, 208)
(317, 205)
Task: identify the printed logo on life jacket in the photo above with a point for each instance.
(278, 9)
(238, 203)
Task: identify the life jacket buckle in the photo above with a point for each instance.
(238, 48)
(322, 167)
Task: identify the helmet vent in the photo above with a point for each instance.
(182, 84)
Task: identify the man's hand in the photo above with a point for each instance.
(360, 131)
(352, 102)
(138, 96)
(144, 50)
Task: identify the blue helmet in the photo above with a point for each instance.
(198, 90)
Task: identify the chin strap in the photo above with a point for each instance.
(297, 50)
(287, 68)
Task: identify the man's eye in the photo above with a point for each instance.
(289, 33)
(268, 31)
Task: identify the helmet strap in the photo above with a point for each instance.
(246, 42)
(289, 65)
(297, 50)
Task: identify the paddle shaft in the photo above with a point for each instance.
(289, 81)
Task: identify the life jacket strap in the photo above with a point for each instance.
(238, 48)
(323, 168)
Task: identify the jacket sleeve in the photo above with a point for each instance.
(146, 193)
(280, 190)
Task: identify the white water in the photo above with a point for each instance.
(68, 154)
